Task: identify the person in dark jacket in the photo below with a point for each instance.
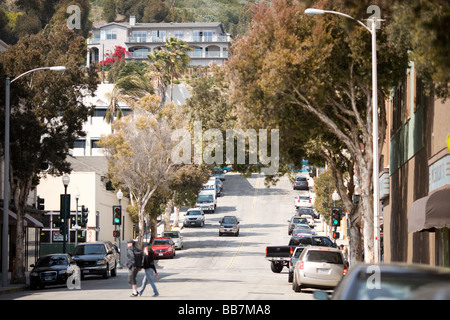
(149, 268)
(131, 265)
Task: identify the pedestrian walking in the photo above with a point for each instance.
(150, 271)
(134, 263)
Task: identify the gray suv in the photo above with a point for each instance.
(194, 217)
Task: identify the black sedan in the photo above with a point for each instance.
(50, 270)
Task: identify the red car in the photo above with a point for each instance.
(163, 247)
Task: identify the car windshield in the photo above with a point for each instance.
(51, 261)
(324, 256)
(299, 220)
(205, 198)
(90, 249)
(305, 211)
(159, 242)
(305, 198)
(298, 252)
(193, 213)
(295, 241)
(171, 234)
(229, 220)
(392, 286)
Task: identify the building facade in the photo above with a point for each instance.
(415, 182)
(208, 40)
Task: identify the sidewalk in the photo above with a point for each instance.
(12, 288)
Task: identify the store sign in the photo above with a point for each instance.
(440, 173)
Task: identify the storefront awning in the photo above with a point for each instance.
(430, 212)
(29, 221)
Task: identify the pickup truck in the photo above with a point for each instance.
(279, 256)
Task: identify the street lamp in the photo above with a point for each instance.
(376, 191)
(119, 195)
(77, 197)
(66, 181)
(6, 170)
(335, 197)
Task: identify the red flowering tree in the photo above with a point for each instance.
(118, 55)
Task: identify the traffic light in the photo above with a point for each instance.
(116, 234)
(336, 235)
(84, 216)
(64, 212)
(40, 203)
(63, 229)
(117, 215)
(335, 216)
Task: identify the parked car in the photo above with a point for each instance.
(399, 281)
(49, 270)
(302, 228)
(323, 241)
(307, 210)
(293, 260)
(302, 201)
(294, 221)
(176, 236)
(229, 225)
(309, 219)
(194, 217)
(301, 183)
(163, 247)
(318, 267)
(96, 258)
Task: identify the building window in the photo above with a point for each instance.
(94, 144)
(139, 36)
(108, 34)
(179, 34)
(158, 35)
(79, 143)
(111, 35)
(99, 112)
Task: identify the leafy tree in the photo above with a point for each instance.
(422, 28)
(47, 113)
(316, 74)
(138, 154)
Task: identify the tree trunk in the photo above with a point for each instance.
(20, 194)
(176, 221)
(167, 213)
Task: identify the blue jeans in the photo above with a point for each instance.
(148, 276)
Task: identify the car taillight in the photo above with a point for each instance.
(301, 265)
(291, 251)
(345, 270)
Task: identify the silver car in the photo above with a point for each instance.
(176, 237)
(194, 217)
(318, 267)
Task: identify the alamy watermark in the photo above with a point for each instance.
(74, 20)
(207, 147)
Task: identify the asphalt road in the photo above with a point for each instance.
(212, 267)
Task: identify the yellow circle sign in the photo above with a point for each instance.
(448, 142)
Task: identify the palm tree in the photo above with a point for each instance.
(169, 63)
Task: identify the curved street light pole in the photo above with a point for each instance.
(6, 170)
(375, 153)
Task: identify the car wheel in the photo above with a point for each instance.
(295, 286)
(276, 267)
(106, 274)
(290, 276)
(114, 271)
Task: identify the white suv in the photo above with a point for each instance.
(194, 217)
(318, 267)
